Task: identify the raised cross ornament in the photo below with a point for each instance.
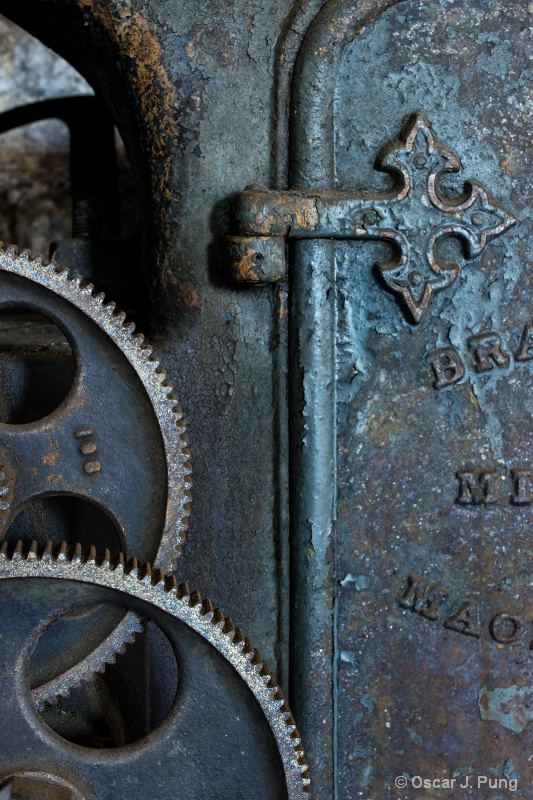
(413, 218)
(421, 213)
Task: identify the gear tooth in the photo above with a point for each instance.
(265, 673)
(132, 566)
(118, 563)
(248, 648)
(47, 550)
(17, 552)
(229, 627)
(145, 573)
(3, 551)
(147, 349)
(171, 583)
(139, 338)
(130, 326)
(238, 637)
(91, 555)
(62, 550)
(76, 280)
(88, 289)
(183, 590)
(158, 577)
(33, 550)
(120, 316)
(105, 562)
(218, 617)
(195, 598)
(110, 307)
(207, 607)
(12, 250)
(76, 554)
(139, 628)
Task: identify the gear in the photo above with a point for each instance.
(228, 734)
(119, 430)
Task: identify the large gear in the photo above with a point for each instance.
(228, 734)
(122, 408)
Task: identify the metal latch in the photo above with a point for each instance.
(412, 217)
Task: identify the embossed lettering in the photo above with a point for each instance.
(521, 479)
(504, 628)
(526, 344)
(464, 620)
(447, 365)
(476, 487)
(425, 600)
(488, 351)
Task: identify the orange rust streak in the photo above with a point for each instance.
(134, 39)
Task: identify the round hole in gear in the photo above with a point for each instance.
(37, 366)
(66, 518)
(122, 704)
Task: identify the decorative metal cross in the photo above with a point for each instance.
(413, 218)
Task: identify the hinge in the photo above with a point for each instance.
(413, 216)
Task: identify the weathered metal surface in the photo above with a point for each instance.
(418, 421)
(427, 570)
(228, 733)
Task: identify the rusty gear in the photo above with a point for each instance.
(228, 734)
(118, 427)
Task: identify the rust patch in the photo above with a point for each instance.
(55, 477)
(245, 268)
(188, 296)
(50, 458)
(274, 213)
(135, 41)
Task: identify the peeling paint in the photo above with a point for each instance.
(512, 707)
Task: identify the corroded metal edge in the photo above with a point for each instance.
(162, 591)
(152, 376)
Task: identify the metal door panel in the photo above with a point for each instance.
(424, 578)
